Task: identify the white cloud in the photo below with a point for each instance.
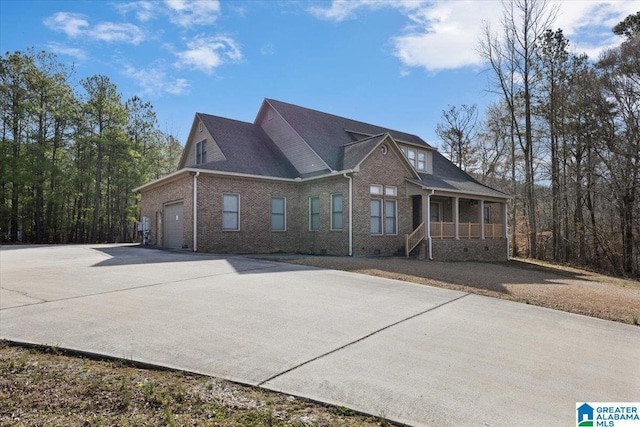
(118, 32)
(143, 9)
(442, 35)
(155, 81)
(208, 53)
(75, 25)
(61, 49)
(341, 10)
(189, 13)
(72, 24)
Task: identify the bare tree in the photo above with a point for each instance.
(457, 131)
(511, 58)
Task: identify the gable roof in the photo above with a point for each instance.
(341, 143)
(247, 148)
(327, 134)
(356, 152)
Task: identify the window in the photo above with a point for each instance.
(201, 152)
(314, 213)
(376, 216)
(487, 214)
(278, 214)
(411, 155)
(376, 189)
(390, 217)
(422, 161)
(336, 211)
(404, 150)
(231, 212)
(435, 212)
(390, 191)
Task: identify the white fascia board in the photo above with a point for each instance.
(175, 175)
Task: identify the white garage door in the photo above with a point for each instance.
(173, 225)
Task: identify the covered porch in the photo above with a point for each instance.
(472, 224)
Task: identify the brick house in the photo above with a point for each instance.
(298, 180)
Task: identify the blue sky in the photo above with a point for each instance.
(393, 63)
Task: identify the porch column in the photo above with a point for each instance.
(481, 204)
(503, 209)
(456, 217)
(426, 209)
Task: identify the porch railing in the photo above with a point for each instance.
(466, 230)
(413, 239)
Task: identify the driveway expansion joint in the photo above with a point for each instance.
(335, 350)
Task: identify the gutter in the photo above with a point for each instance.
(350, 212)
(195, 210)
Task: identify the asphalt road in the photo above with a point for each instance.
(411, 353)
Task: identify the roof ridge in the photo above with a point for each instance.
(226, 118)
(364, 139)
(343, 117)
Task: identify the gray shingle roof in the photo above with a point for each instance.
(355, 152)
(326, 134)
(447, 176)
(248, 149)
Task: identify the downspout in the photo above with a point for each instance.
(195, 211)
(428, 224)
(350, 213)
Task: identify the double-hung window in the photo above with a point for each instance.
(390, 217)
(201, 152)
(376, 216)
(383, 216)
(411, 155)
(314, 213)
(336, 211)
(422, 161)
(278, 214)
(231, 212)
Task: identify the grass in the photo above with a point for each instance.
(531, 282)
(46, 388)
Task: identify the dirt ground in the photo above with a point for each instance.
(561, 288)
(42, 387)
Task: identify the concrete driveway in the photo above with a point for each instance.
(411, 353)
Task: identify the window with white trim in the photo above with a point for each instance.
(314, 213)
(376, 216)
(278, 214)
(201, 152)
(376, 189)
(391, 217)
(411, 156)
(390, 190)
(336, 211)
(422, 161)
(231, 212)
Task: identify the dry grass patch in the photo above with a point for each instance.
(561, 288)
(45, 388)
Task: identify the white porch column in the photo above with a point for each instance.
(481, 204)
(426, 209)
(503, 209)
(456, 217)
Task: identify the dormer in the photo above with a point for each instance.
(421, 158)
